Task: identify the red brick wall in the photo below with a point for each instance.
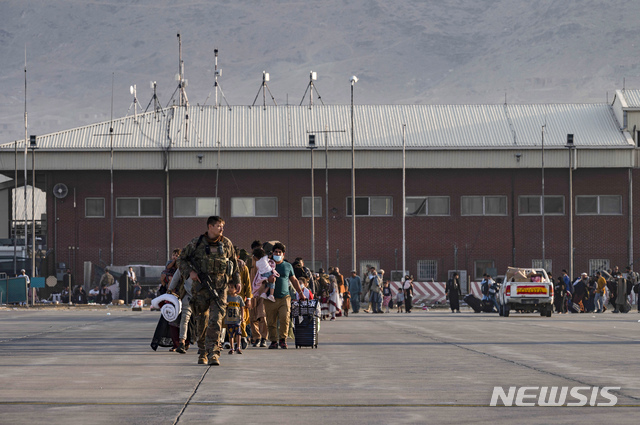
(434, 238)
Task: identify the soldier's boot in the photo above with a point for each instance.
(202, 357)
(213, 358)
(181, 347)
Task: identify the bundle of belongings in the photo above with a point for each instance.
(170, 307)
(515, 274)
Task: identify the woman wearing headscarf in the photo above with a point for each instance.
(335, 300)
(453, 293)
(408, 293)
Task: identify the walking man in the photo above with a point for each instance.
(210, 261)
(280, 309)
(355, 288)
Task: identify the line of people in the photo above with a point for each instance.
(247, 295)
(588, 294)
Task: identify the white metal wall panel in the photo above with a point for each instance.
(338, 159)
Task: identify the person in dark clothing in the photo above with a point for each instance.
(453, 292)
(408, 293)
(162, 289)
(105, 296)
(64, 295)
(80, 295)
(300, 270)
(580, 293)
(591, 296)
(612, 286)
(67, 279)
(560, 294)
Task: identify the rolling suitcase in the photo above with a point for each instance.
(305, 315)
(487, 307)
(473, 302)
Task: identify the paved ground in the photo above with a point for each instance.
(95, 366)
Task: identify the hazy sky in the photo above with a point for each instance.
(446, 52)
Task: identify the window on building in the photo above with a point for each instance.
(195, 207)
(371, 206)
(530, 205)
(306, 206)
(254, 207)
(427, 205)
(598, 265)
(483, 205)
(427, 270)
(599, 205)
(139, 207)
(482, 267)
(537, 264)
(94, 207)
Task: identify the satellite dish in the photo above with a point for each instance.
(60, 190)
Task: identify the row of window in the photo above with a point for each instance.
(365, 206)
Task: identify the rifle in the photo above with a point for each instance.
(206, 280)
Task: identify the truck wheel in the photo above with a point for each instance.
(505, 310)
(500, 310)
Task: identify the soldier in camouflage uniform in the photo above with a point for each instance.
(210, 261)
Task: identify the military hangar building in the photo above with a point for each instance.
(474, 178)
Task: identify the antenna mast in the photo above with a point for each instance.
(264, 86)
(182, 83)
(215, 67)
(312, 77)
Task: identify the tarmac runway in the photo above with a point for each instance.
(95, 366)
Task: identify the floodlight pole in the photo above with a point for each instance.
(570, 146)
(542, 201)
(14, 227)
(326, 191)
(326, 182)
(33, 215)
(354, 79)
(111, 134)
(26, 232)
(311, 147)
(404, 201)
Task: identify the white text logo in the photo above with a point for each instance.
(554, 396)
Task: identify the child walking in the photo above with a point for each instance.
(400, 299)
(233, 318)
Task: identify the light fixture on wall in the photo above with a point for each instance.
(200, 156)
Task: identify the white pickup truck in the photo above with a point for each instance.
(527, 290)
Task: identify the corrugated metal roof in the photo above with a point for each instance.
(631, 97)
(376, 127)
